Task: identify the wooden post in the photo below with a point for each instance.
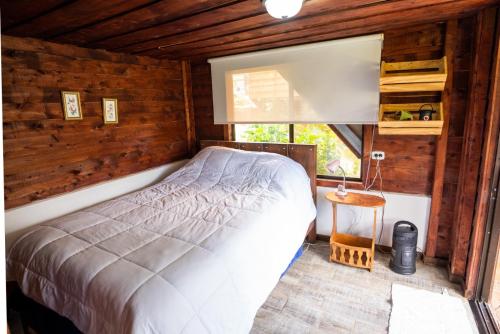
(483, 200)
(333, 251)
(229, 132)
(442, 142)
(334, 225)
(188, 106)
(472, 146)
(374, 236)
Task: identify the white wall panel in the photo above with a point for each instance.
(21, 218)
(412, 208)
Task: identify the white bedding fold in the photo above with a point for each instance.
(199, 252)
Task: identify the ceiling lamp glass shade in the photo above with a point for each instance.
(283, 9)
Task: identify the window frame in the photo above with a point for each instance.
(323, 179)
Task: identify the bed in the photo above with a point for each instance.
(198, 252)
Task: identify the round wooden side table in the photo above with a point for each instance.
(350, 249)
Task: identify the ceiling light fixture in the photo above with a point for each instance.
(283, 9)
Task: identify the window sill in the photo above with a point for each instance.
(358, 185)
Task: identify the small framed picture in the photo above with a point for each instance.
(71, 105)
(110, 110)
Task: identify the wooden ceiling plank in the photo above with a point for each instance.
(322, 20)
(219, 24)
(220, 15)
(373, 24)
(14, 44)
(53, 37)
(75, 14)
(146, 17)
(374, 17)
(18, 12)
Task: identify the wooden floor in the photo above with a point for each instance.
(317, 296)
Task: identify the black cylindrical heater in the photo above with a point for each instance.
(404, 248)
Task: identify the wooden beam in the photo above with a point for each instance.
(319, 28)
(472, 145)
(28, 45)
(484, 200)
(331, 19)
(152, 15)
(188, 106)
(229, 132)
(242, 18)
(355, 150)
(18, 12)
(368, 142)
(73, 15)
(442, 143)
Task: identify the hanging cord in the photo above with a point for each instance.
(377, 174)
(382, 219)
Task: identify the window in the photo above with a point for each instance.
(265, 133)
(329, 145)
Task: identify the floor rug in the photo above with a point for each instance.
(422, 311)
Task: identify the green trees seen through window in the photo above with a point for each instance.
(328, 144)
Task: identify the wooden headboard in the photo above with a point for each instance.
(302, 153)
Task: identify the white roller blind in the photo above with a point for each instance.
(334, 82)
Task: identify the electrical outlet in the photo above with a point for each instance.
(378, 155)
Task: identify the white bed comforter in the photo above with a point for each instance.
(198, 252)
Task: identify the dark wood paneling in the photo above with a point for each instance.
(331, 24)
(176, 32)
(356, 23)
(238, 22)
(490, 148)
(408, 164)
(461, 73)
(202, 28)
(473, 140)
(189, 107)
(73, 15)
(442, 143)
(203, 104)
(157, 14)
(45, 155)
(20, 11)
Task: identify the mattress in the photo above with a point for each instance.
(198, 252)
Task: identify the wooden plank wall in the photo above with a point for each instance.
(487, 172)
(203, 103)
(413, 157)
(409, 164)
(459, 97)
(46, 155)
(468, 185)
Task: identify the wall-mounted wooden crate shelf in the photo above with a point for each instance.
(413, 76)
(389, 124)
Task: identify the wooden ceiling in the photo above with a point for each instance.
(197, 29)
